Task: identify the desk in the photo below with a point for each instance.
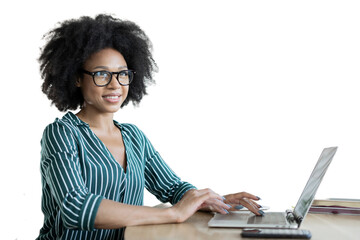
(322, 227)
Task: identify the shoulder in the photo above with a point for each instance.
(61, 133)
(65, 125)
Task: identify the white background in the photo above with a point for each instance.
(247, 95)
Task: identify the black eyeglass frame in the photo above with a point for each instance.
(111, 76)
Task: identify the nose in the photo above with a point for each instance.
(114, 83)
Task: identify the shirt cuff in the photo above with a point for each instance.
(88, 211)
(183, 188)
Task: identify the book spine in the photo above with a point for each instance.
(345, 211)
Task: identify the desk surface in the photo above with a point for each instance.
(322, 226)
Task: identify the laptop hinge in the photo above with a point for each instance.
(291, 217)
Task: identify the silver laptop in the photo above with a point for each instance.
(287, 219)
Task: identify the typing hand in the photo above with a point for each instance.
(194, 199)
(244, 199)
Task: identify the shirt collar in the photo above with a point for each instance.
(77, 121)
(74, 119)
(118, 124)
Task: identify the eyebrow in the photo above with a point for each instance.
(105, 67)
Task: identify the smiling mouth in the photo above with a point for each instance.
(112, 97)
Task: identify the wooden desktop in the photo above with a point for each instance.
(322, 227)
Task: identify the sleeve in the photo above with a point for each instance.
(160, 180)
(61, 171)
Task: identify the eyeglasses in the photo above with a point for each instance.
(103, 78)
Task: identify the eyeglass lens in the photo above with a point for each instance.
(102, 78)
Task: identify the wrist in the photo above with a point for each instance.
(173, 215)
(188, 192)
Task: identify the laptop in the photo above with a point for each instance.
(290, 219)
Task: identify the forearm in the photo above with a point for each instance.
(112, 215)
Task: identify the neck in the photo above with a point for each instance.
(96, 120)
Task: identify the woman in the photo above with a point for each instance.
(93, 168)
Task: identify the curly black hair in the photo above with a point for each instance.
(74, 41)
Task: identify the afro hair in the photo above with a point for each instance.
(74, 41)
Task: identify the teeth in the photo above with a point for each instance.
(112, 97)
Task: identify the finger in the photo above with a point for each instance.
(239, 206)
(207, 190)
(219, 206)
(246, 200)
(235, 207)
(216, 208)
(205, 193)
(209, 196)
(215, 201)
(215, 205)
(252, 206)
(240, 195)
(251, 203)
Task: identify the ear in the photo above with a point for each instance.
(78, 82)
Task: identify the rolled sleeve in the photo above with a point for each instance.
(88, 211)
(181, 190)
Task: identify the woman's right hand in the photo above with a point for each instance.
(195, 199)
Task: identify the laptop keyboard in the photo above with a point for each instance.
(271, 217)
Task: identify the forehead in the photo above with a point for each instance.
(107, 58)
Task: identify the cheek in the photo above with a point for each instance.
(90, 94)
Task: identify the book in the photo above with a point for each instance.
(335, 210)
(336, 206)
(337, 202)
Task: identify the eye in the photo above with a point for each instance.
(103, 74)
(124, 73)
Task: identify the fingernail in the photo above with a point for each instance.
(238, 207)
(223, 198)
(258, 198)
(229, 205)
(261, 212)
(227, 212)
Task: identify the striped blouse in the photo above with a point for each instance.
(78, 171)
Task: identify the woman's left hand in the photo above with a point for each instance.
(243, 199)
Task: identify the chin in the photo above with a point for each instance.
(113, 109)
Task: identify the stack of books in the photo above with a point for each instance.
(336, 206)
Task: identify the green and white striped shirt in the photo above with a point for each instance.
(78, 171)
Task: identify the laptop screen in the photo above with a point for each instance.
(308, 194)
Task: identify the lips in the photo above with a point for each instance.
(113, 98)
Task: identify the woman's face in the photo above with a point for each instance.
(107, 99)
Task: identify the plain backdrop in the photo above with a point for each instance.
(247, 95)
